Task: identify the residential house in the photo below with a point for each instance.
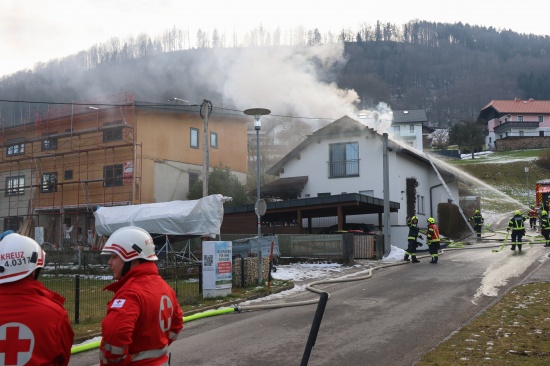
(342, 164)
(64, 161)
(507, 119)
(407, 125)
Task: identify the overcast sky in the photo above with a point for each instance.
(34, 31)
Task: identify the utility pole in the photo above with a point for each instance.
(206, 110)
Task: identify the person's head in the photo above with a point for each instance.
(128, 246)
(431, 220)
(518, 212)
(532, 206)
(544, 213)
(22, 257)
(476, 211)
(414, 220)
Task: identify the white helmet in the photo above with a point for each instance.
(131, 242)
(19, 256)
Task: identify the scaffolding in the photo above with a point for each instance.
(66, 160)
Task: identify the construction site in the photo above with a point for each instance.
(66, 160)
(63, 162)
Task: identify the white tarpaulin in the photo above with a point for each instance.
(201, 217)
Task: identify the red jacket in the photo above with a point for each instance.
(142, 319)
(432, 234)
(34, 325)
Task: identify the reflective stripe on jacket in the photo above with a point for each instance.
(516, 223)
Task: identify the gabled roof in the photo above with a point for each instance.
(519, 106)
(409, 116)
(342, 127)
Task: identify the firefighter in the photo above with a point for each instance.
(545, 228)
(516, 223)
(533, 217)
(144, 316)
(478, 221)
(414, 232)
(34, 326)
(433, 239)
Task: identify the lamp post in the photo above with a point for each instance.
(526, 168)
(257, 113)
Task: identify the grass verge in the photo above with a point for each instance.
(515, 331)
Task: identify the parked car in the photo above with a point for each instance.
(352, 228)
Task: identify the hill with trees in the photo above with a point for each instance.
(451, 70)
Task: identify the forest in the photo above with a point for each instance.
(451, 70)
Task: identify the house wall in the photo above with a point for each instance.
(413, 139)
(168, 157)
(313, 162)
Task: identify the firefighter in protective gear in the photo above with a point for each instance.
(412, 243)
(545, 228)
(433, 239)
(478, 221)
(34, 326)
(516, 223)
(144, 316)
(533, 217)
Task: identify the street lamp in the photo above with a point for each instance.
(526, 168)
(257, 113)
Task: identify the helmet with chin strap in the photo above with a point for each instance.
(19, 257)
(129, 243)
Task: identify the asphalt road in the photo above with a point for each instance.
(392, 318)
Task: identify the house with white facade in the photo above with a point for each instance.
(515, 118)
(407, 125)
(347, 157)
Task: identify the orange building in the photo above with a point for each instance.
(67, 159)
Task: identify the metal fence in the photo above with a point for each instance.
(81, 276)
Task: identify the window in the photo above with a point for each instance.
(194, 138)
(213, 140)
(541, 119)
(420, 204)
(520, 118)
(396, 129)
(49, 182)
(112, 134)
(16, 149)
(490, 140)
(193, 179)
(521, 133)
(15, 185)
(112, 175)
(68, 175)
(13, 223)
(411, 128)
(344, 160)
(49, 144)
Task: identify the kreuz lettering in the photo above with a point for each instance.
(12, 255)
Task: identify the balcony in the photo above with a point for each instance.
(508, 126)
(343, 168)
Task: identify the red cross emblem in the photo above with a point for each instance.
(165, 314)
(16, 344)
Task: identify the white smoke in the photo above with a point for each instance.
(286, 80)
(379, 118)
